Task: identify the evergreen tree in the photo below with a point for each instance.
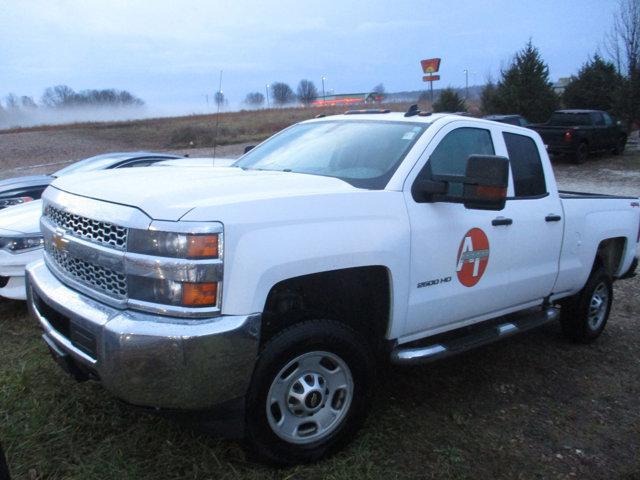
(524, 87)
(489, 102)
(597, 86)
(449, 101)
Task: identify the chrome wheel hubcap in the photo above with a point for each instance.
(598, 306)
(309, 397)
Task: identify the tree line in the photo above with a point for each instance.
(63, 96)
(609, 81)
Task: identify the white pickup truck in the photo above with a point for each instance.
(269, 290)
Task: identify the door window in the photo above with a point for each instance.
(526, 165)
(598, 119)
(451, 154)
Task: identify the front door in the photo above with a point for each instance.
(459, 257)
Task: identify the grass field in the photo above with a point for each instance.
(531, 407)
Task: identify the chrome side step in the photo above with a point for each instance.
(512, 324)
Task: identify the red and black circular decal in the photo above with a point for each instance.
(473, 257)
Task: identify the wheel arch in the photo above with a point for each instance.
(610, 255)
(360, 297)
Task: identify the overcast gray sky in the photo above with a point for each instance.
(170, 52)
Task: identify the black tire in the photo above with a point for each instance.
(576, 315)
(619, 148)
(300, 339)
(581, 154)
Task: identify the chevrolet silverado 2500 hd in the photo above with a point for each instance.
(269, 289)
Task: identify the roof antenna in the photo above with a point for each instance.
(413, 110)
(219, 99)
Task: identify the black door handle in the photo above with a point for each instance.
(552, 217)
(496, 222)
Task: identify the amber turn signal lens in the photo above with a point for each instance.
(492, 193)
(202, 246)
(199, 294)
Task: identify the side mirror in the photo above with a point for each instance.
(483, 187)
(248, 148)
(486, 182)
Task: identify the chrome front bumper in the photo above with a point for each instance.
(147, 360)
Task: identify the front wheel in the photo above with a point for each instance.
(585, 315)
(309, 393)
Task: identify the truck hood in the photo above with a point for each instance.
(23, 218)
(170, 193)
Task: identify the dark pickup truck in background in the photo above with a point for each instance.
(580, 132)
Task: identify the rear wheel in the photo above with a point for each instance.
(619, 148)
(584, 316)
(581, 154)
(309, 393)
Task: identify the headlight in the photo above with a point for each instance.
(187, 265)
(9, 202)
(175, 245)
(170, 292)
(21, 244)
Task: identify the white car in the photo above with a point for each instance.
(21, 241)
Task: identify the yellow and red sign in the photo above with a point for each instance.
(431, 78)
(430, 65)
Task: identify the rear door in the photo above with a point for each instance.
(600, 133)
(535, 236)
(612, 136)
(459, 258)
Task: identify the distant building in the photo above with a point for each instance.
(347, 99)
(561, 84)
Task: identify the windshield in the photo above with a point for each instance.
(362, 153)
(570, 120)
(99, 162)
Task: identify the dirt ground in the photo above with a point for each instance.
(531, 407)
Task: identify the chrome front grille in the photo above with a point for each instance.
(104, 233)
(101, 278)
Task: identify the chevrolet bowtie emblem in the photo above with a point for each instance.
(58, 240)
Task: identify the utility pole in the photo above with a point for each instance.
(324, 99)
(466, 83)
(266, 89)
(219, 99)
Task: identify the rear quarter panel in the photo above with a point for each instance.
(588, 222)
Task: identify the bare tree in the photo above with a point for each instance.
(255, 99)
(307, 92)
(379, 89)
(623, 46)
(282, 93)
(59, 96)
(12, 102)
(27, 102)
(623, 41)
